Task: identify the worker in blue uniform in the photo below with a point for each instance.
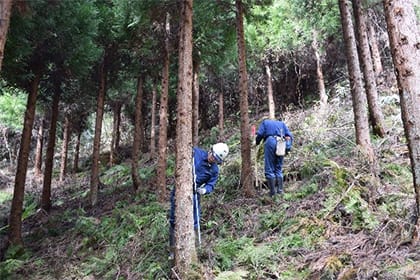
(273, 164)
(205, 172)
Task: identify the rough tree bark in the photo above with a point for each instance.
(356, 85)
(5, 12)
(323, 98)
(404, 38)
(15, 218)
(374, 48)
(375, 113)
(185, 251)
(49, 155)
(137, 137)
(247, 179)
(163, 122)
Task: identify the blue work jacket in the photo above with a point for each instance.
(204, 172)
(272, 128)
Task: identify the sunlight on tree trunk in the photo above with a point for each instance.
(38, 151)
(271, 106)
(195, 102)
(323, 98)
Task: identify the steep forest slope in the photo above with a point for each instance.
(335, 220)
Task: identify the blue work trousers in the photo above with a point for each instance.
(272, 164)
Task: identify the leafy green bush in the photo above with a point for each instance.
(12, 107)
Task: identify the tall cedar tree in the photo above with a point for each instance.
(375, 113)
(15, 218)
(94, 179)
(404, 39)
(5, 12)
(38, 150)
(356, 84)
(153, 122)
(185, 251)
(247, 178)
(137, 137)
(65, 147)
(163, 121)
(49, 156)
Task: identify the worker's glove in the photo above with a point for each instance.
(201, 190)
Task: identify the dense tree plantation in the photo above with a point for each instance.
(102, 101)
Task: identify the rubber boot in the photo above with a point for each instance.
(272, 184)
(279, 185)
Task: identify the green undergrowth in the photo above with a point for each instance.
(133, 235)
(329, 192)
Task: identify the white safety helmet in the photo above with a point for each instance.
(220, 151)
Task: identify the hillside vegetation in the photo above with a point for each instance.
(335, 220)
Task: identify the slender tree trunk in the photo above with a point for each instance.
(375, 113)
(356, 85)
(49, 155)
(271, 106)
(195, 102)
(185, 251)
(404, 38)
(137, 138)
(153, 123)
(38, 151)
(65, 148)
(94, 180)
(323, 98)
(5, 13)
(15, 218)
(77, 151)
(374, 48)
(6, 143)
(115, 132)
(221, 114)
(163, 123)
(247, 180)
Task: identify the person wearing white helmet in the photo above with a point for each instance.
(206, 173)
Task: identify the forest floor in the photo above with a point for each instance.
(335, 220)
